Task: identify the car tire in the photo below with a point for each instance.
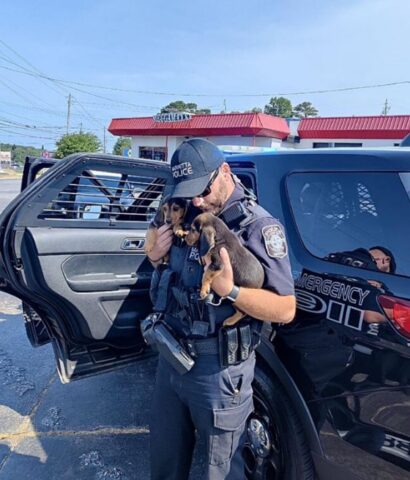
(276, 447)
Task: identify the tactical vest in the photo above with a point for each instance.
(175, 287)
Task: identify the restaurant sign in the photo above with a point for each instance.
(172, 117)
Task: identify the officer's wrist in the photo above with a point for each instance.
(155, 263)
(233, 294)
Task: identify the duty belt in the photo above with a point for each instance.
(233, 345)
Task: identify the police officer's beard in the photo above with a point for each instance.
(215, 206)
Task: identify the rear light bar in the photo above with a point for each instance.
(398, 311)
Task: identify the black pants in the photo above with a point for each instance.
(213, 401)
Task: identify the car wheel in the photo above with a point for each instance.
(275, 447)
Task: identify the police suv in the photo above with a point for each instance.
(332, 388)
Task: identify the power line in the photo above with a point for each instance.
(28, 63)
(145, 107)
(41, 75)
(24, 97)
(13, 141)
(9, 123)
(25, 135)
(31, 95)
(21, 116)
(28, 72)
(51, 112)
(86, 112)
(34, 74)
(181, 94)
(57, 130)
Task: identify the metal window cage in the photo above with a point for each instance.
(103, 196)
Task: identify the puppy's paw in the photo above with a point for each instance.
(232, 320)
(205, 290)
(181, 233)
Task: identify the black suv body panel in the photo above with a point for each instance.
(353, 375)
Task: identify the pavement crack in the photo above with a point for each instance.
(27, 424)
(26, 428)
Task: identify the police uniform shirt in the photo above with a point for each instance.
(265, 238)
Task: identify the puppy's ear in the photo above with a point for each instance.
(185, 208)
(159, 218)
(206, 240)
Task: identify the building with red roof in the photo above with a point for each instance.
(157, 137)
(368, 131)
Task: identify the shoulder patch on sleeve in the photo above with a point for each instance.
(275, 241)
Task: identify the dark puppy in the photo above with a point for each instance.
(211, 234)
(171, 212)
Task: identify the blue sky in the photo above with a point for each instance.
(239, 51)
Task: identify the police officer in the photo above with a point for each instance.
(214, 398)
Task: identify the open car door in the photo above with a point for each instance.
(72, 248)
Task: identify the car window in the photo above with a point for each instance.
(105, 196)
(341, 216)
(247, 180)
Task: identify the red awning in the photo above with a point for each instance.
(375, 127)
(245, 124)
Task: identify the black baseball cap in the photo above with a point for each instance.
(192, 165)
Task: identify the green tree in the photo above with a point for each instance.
(254, 110)
(304, 110)
(120, 144)
(77, 142)
(180, 106)
(280, 107)
(20, 152)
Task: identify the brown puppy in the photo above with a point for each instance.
(211, 234)
(171, 212)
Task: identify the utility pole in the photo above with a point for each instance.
(68, 112)
(104, 142)
(386, 108)
(81, 127)
(224, 105)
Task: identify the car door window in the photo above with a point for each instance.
(105, 196)
(338, 213)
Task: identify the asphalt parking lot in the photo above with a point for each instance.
(96, 428)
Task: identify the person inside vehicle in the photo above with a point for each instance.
(384, 259)
(375, 258)
(213, 397)
(386, 263)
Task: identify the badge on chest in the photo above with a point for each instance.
(193, 255)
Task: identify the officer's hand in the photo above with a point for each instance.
(222, 284)
(163, 243)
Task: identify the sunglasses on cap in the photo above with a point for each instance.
(207, 190)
